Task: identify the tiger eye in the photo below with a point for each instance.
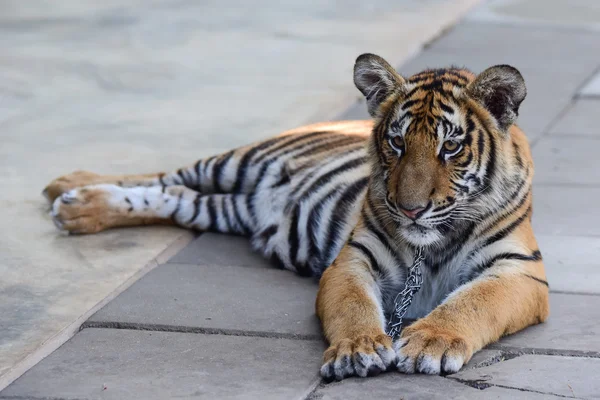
(450, 146)
(398, 142)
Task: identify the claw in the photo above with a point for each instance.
(68, 197)
(58, 224)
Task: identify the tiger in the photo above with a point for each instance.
(441, 167)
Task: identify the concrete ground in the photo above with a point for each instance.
(151, 85)
(215, 321)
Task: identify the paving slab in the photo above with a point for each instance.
(216, 249)
(219, 298)
(566, 160)
(572, 262)
(394, 385)
(557, 375)
(573, 328)
(566, 211)
(581, 119)
(162, 365)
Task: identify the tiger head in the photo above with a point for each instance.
(441, 144)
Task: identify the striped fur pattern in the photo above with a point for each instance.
(442, 166)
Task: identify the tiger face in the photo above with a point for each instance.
(437, 143)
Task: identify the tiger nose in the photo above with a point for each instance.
(411, 213)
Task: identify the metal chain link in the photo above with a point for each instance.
(413, 283)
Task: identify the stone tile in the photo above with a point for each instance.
(563, 376)
(219, 298)
(216, 249)
(162, 365)
(572, 262)
(580, 119)
(566, 161)
(413, 387)
(566, 211)
(592, 87)
(573, 326)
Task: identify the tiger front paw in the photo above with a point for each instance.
(363, 356)
(68, 182)
(429, 349)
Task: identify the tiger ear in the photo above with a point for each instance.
(501, 89)
(376, 79)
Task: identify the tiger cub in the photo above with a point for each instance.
(441, 168)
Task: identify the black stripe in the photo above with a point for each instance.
(490, 169)
(217, 171)
(244, 164)
(506, 231)
(543, 282)
(383, 238)
(177, 207)
(294, 139)
(311, 175)
(408, 104)
(343, 141)
(340, 215)
(212, 214)
(480, 268)
(267, 163)
(181, 175)
(445, 107)
(372, 260)
(480, 149)
(196, 208)
(314, 220)
(267, 233)
(129, 202)
(238, 217)
(328, 176)
(206, 164)
(250, 207)
(225, 213)
(518, 158)
(293, 235)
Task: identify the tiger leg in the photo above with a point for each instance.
(502, 302)
(217, 174)
(350, 310)
(95, 208)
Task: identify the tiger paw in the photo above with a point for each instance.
(82, 210)
(428, 349)
(363, 356)
(68, 182)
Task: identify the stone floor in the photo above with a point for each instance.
(215, 321)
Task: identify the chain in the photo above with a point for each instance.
(413, 283)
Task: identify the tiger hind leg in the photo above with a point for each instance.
(95, 208)
(217, 174)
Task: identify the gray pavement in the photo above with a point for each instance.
(217, 322)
